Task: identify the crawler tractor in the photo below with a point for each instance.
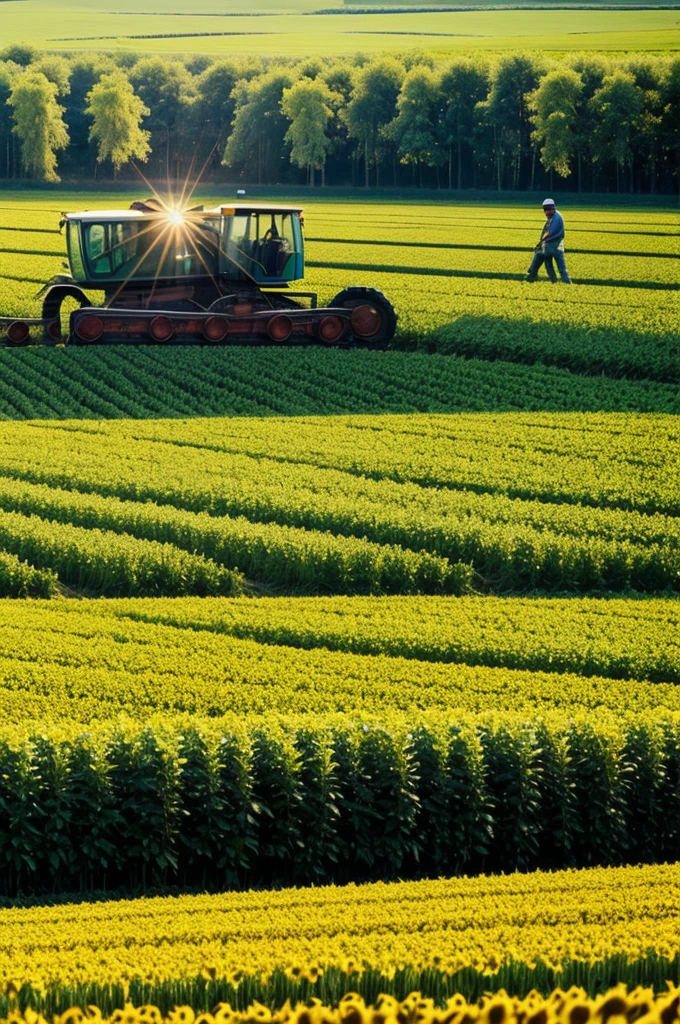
(219, 276)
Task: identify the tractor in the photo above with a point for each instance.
(218, 276)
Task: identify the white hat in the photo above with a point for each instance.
(548, 202)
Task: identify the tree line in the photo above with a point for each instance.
(521, 120)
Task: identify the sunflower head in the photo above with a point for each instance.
(182, 1015)
(223, 1013)
(149, 1014)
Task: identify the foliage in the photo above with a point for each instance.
(415, 128)
(38, 123)
(372, 108)
(415, 106)
(617, 105)
(361, 785)
(19, 579)
(556, 122)
(353, 508)
(308, 106)
(117, 115)
(259, 127)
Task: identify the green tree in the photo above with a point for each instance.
(308, 106)
(167, 89)
(506, 111)
(555, 117)
(38, 123)
(617, 106)
(7, 140)
(257, 141)
(464, 85)
(371, 108)
(592, 69)
(648, 73)
(670, 116)
(117, 120)
(415, 128)
(56, 69)
(19, 53)
(86, 70)
(213, 111)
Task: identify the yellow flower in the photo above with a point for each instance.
(182, 1015)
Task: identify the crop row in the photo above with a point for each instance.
(219, 805)
(598, 269)
(454, 234)
(614, 638)
(19, 579)
(82, 661)
(558, 1006)
(109, 384)
(145, 655)
(97, 561)
(327, 552)
(445, 936)
(622, 462)
(605, 328)
(110, 546)
(372, 505)
(616, 333)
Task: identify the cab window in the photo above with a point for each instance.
(262, 244)
(109, 247)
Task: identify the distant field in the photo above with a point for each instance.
(297, 31)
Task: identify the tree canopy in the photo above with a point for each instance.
(38, 123)
(117, 116)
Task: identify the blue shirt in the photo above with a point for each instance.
(553, 232)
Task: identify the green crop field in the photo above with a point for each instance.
(272, 30)
(454, 273)
(402, 626)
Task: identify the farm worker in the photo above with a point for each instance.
(550, 246)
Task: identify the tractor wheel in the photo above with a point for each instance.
(376, 328)
(55, 312)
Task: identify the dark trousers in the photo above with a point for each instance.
(540, 258)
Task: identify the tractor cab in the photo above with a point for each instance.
(146, 245)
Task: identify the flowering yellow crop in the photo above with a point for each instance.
(484, 923)
(573, 1006)
(382, 504)
(307, 656)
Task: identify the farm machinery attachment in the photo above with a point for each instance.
(222, 276)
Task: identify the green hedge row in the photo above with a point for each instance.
(204, 805)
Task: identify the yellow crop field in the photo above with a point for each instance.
(557, 1007)
(95, 659)
(419, 504)
(193, 948)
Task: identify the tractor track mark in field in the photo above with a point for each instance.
(155, 35)
(32, 231)
(491, 248)
(380, 32)
(485, 274)
(31, 252)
